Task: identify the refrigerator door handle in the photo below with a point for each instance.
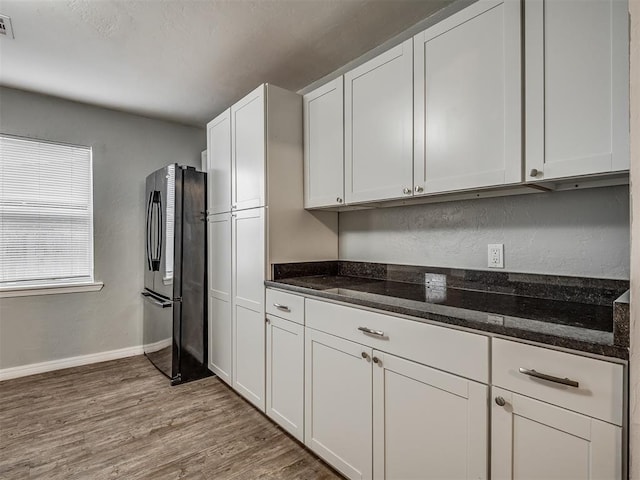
(148, 236)
(156, 214)
(160, 229)
(155, 301)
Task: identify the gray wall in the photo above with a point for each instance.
(578, 233)
(125, 149)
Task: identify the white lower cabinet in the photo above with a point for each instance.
(375, 415)
(531, 439)
(371, 414)
(338, 409)
(285, 375)
(427, 424)
(220, 324)
(555, 414)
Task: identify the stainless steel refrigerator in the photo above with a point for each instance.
(174, 326)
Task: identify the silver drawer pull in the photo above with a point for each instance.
(284, 308)
(550, 378)
(370, 331)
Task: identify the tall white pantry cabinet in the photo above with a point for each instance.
(255, 219)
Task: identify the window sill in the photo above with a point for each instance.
(50, 289)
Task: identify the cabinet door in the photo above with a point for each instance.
(219, 255)
(468, 115)
(338, 424)
(577, 88)
(219, 163)
(532, 440)
(324, 145)
(379, 127)
(248, 151)
(427, 424)
(248, 251)
(285, 375)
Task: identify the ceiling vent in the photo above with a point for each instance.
(6, 30)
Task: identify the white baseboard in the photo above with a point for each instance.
(34, 368)
(154, 347)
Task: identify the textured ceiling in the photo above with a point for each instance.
(188, 60)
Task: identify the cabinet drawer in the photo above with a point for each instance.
(461, 353)
(600, 384)
(285, 305)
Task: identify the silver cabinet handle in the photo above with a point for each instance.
(378, 333)
(365, 355)
(339, 200)
(406, 191)
(419, 189)
(549, 378)
(377, 361)
(534, 172)
(284, 308)
(500, 401)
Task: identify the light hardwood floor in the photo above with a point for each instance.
(122, 420)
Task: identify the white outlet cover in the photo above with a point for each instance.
(495, 255)
(6, 30)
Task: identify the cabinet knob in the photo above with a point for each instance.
(376, 360)
(534, 172)
(233, 205)
(406, 191)
(339, 200)
(268, 321)
(365, 355)
(419, 189)
(500, 401)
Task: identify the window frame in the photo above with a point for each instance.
(61, 285)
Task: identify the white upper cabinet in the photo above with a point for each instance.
(379, 127)
(324, 145)
(491, 96)
(248, 151)
(467, 94)
(577, 87)
(219, 163)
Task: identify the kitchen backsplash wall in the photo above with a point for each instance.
(125, 149)
(579, 233)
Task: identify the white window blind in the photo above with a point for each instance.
(46, 213)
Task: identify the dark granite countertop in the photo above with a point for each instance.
(584, 323)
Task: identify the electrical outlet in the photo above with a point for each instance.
(496, 255)
(495, 319)
(6, 30)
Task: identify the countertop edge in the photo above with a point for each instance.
(611, 351)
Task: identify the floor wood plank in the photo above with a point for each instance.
(122, 419)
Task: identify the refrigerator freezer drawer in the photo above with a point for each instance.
(158, 332)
